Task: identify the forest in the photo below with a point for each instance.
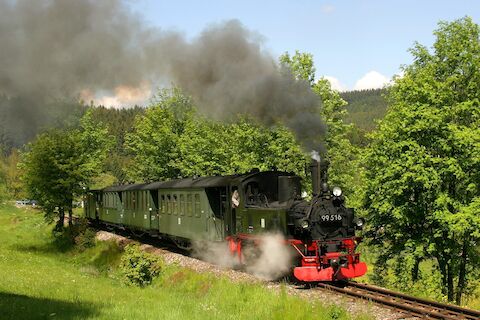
(407, 157)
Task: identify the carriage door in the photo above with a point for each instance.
(225, 211)
(232, 202)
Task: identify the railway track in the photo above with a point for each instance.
(408, 305)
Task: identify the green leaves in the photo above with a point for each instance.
(172, 140)
(59, 164)
(138, 267)
(423, 168)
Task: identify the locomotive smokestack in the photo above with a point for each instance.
(316, 173)
(319, 169)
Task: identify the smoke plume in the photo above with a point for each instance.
(57, 49)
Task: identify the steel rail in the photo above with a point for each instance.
(416, 306)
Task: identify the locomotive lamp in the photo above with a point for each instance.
(337, 192)
(359, 222)
(304, 224)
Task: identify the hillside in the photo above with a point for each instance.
(365, 106)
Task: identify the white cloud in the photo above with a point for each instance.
(336, 84)
(372, 80)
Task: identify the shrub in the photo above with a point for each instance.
(138, 267)
(85, 239)
(78, 236)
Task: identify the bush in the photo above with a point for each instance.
(78, 236)
(85, 239)
(138, 267)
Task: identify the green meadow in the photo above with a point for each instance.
(42, 279)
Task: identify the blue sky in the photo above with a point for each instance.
(357, 43)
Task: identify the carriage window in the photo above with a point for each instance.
(163, 207)
(189, 205)
(182, 205)
(174, 204)
(197, 205)
(169, 204)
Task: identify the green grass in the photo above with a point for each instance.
(40, 281)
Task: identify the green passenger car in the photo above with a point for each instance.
(207, 208)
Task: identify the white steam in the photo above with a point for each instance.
(270, 259)
(315, 155)
(216, 253)
(274, 259)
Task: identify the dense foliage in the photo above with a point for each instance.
(171, 140)
(138, 267)
(59, 165)
(423, 165)
(365, 107)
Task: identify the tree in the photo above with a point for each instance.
(154, 141)
(11, 173)
(59, 164)
(172, 140)
(204, 149)
(300, 65)
(345, 169)
(423, 166)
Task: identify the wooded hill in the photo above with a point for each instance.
(365, 106)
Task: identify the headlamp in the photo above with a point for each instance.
(360, 222)
(304, 224)
(337, 192)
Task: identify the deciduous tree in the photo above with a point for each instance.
(423, 166)
(59, 164)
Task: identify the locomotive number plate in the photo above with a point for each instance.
(332, 217)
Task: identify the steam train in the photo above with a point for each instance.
(239, 209)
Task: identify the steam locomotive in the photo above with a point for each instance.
(239, 209)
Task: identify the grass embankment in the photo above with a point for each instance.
(39, 280)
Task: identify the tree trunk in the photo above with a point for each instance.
(415, 269)
(443, 272)
(450, 292)
(462, 273)
(70, 217)
(61, 218)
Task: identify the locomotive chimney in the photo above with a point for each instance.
(318, 169)
(316, 173)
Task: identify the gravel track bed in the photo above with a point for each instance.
(353, 306)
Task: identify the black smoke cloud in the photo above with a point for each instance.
(57, 49)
